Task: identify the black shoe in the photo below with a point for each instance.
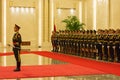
(16, 70)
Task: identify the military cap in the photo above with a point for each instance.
(17, 26)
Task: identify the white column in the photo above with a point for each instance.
(4, 29)
(80, 11)
(4, 22)
(51, 14)
(94, 14)
(40, 22)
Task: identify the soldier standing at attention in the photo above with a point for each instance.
(17, 47)
(53, 41)
(117, 46)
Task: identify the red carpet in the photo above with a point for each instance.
(79, 66)
(107, 67)
(47, 71)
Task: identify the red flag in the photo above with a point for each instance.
(54, 28)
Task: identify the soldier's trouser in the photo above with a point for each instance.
(17, 57)
(111, 55)
(105, 55)
(78, 49)
(99, 54)
(117, 52)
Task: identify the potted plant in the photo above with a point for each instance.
(73, 23)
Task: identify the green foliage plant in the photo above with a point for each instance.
(73, 23)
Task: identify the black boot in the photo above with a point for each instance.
(18, 67)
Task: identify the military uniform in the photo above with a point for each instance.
(56, 41)
(94, 46)
(99, 47)
(16, 49)
(111, 47)
(117, 48)
(105, 47)
(53, 41)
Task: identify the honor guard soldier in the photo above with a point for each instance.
(93, 43)
(53, 40)
(78, 42)
(82, 48)
(65, 42)
(117, 45)
(70, 42)
(60, 41)
(76, 46)
(111, 45)
(105, 46)
(56, 41)
(17, 40)
(99, 44)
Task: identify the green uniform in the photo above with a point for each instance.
(17, 40)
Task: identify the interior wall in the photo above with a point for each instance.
(19, 12)
(62, 9)
(0, 20)
(88, 11)
(102, 16)
(45, 21)
(96, 14)
(107, 14)
(115, 14)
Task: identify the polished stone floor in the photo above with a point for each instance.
(90, 77)
(40, 60)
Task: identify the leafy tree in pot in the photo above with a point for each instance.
(73, 23)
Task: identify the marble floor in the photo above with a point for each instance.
(40, 60)
(90, 77)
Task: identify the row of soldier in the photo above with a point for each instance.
(101, 44)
